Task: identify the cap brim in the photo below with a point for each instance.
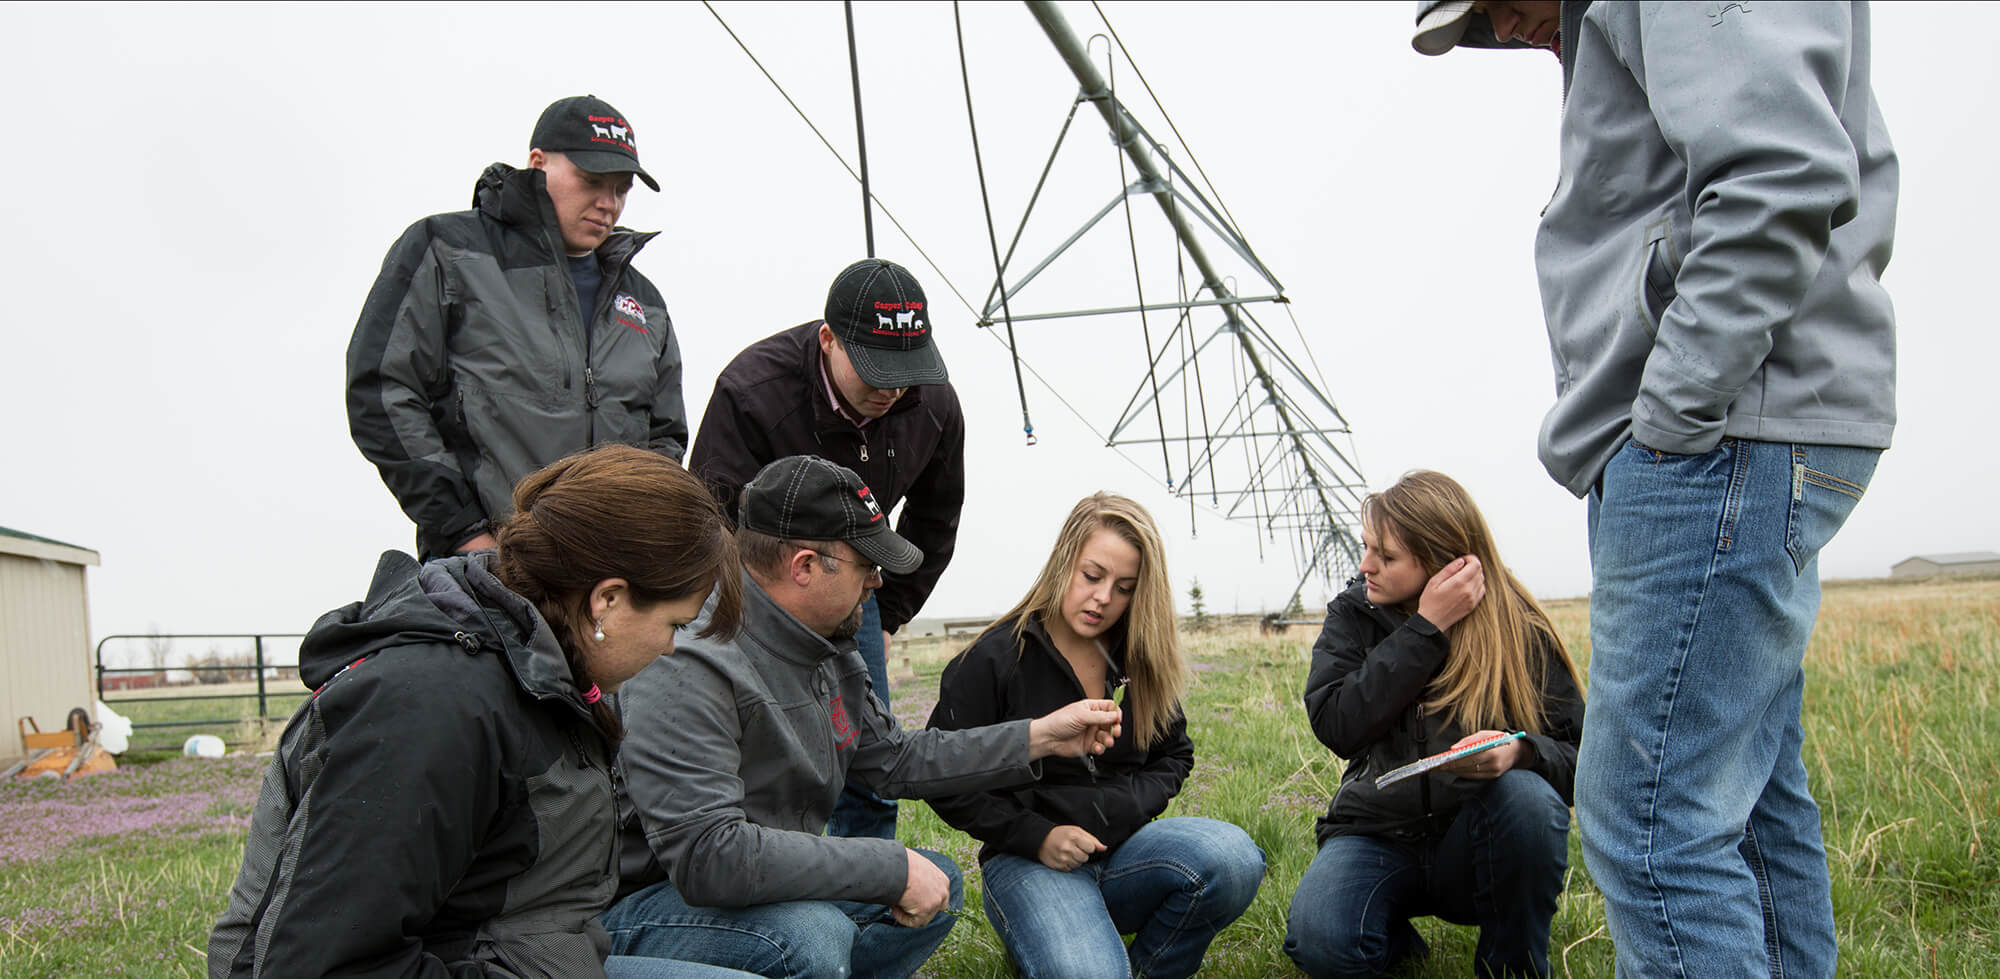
(881, 368)
(1440, 29)
(892, 552)
(599, 161)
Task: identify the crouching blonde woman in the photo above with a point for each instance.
(1076, 859)
(1437, 647)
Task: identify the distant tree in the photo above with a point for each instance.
(1201, 619)
(220, 667)
(1296, 610)
(159, 649)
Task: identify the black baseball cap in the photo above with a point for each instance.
(592, 134)
(810, 498)
(878, 311)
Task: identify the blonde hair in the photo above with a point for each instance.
(1152, 646)
(1493, 675)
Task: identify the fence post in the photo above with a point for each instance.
(263, 709)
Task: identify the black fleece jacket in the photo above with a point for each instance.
(1370, 670)
(998, 679)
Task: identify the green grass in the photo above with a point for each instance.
(228, 711)
(1901, 734)
(1902, 727)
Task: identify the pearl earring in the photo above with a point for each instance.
(599, 634)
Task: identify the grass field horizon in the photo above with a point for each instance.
(122, 874)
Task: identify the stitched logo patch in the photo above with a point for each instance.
(843, 729)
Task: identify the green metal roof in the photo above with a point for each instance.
(24, 535)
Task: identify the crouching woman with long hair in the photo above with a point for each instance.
(442, 804)
(1437, 647)
(1076, 859)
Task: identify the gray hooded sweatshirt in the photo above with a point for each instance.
(735, 752)
(1711, 261)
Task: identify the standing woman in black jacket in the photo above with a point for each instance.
(442, 804)
(1076, 859)
(1439, 646)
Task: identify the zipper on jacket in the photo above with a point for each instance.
(590, 397)
(1423, 748)
(469, 641)
(864, 449)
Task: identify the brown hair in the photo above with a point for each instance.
(1492, 675)
(616, 512)
(1152, 646)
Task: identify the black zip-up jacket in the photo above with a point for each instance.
(770, 403)
(997, 679)
(472, 366)
(441, 806)
(1364, 697)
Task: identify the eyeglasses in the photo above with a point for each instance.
(866, 569)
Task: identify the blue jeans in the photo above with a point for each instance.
(1173, 885)
(859, 812)
(790, 940)
(633, 967)
(1697, 822)
(1499, 866)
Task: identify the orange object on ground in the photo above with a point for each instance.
(58, 762)
(67, 753)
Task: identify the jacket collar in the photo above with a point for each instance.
(1357, 595)
(1040, 632)
(519, 197)
(777, 631)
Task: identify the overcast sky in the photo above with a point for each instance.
(199, 198)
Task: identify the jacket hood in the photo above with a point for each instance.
(456, 601)
(519, 197)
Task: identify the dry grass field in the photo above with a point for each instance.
(123, 873)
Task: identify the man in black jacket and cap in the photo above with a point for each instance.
(866, 388)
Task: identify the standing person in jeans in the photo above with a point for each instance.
(500, 339)
(1438, 646)
(1711, 270)
(866, 388)
(1076, 859)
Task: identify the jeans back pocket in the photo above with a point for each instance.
(1827, 481)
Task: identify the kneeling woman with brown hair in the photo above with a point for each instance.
(1076, 859)
(442, 804)
(1437, 647)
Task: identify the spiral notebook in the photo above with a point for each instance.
(1429, 762)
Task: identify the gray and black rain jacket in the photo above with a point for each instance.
(736, 750)
(441, 806)
(469, 367)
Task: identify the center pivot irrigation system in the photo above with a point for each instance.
(1241, 427)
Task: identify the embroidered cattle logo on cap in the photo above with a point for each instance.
(868, 500)
(613, 129)
(900, 320)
